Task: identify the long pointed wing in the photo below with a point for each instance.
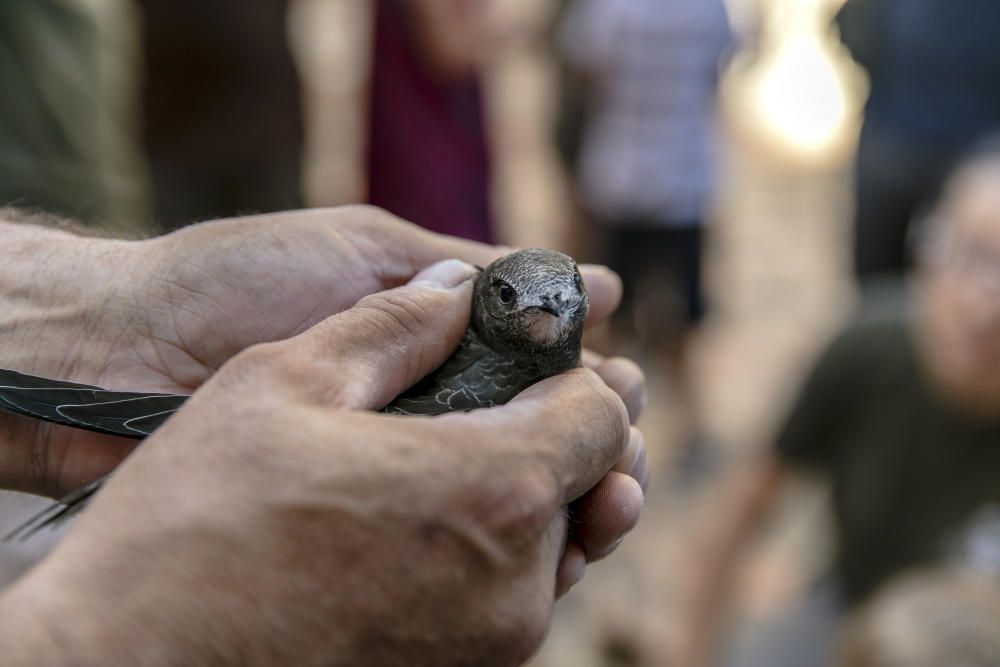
(128, 414)
(57, 512)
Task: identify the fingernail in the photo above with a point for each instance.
(447, 274)
(604, 553)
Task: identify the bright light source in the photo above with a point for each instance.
(799, 95)
(802, 90)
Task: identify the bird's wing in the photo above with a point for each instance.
(57, 512)
(474, 377)
(128, 414)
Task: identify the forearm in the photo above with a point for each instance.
(743, 509)
(57, 292)
(54, 287)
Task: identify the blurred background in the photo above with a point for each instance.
(752, 169)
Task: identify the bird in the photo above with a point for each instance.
(526, 324)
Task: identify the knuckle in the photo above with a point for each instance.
(605, 406)
(251, 362)
(629, 382)
(522, 631)
(369, 216)
(517, 507)
(396, 316)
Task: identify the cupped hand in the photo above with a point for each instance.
(277, 519)
(173, 309)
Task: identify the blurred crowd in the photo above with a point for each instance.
(140, 117)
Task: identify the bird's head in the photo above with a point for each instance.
(530, 300)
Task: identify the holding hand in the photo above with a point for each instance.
(276, 520)
(164, 314)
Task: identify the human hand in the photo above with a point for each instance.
(277, 520)
(164, 314)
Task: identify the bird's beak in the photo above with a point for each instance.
(551, 310)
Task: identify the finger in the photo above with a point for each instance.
(633, 460)
(410, 248)
(606, 514)
(572, 424)
(572, 567)
(591, 359)
(604, 287)
(641, 472)
(627, 380)
(605, 290)
(390, 340)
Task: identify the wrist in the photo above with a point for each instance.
(67, 303)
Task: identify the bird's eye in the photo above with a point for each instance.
(506, 294)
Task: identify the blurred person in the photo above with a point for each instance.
(277, 518)
(646, 167)
(221, 109)
(428, 150)
(927, 619)
(214, 110)
(66, 145)
(902, 414)
(646, 72)
(933, 67)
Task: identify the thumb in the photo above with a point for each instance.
(389, 340)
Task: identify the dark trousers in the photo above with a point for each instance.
(660, 267)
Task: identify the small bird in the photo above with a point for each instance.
(528, 309)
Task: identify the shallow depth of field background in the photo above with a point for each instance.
(777, 278)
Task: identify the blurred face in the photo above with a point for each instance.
(959, 290)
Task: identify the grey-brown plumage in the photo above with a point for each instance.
(527, 323)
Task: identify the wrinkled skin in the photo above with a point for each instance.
(347, 537)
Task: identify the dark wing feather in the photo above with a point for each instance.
(442, 391)
(132, 414)
(474, 377)
(128, 414)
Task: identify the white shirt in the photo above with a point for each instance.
(647, 149)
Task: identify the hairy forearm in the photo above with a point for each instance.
(56, 290)
(53, 285)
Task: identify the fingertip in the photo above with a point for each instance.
(605, 289)
(571, 570)
(445, 274)
(634, 454)
(606, 514)
(627, 380)
(591, 359)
